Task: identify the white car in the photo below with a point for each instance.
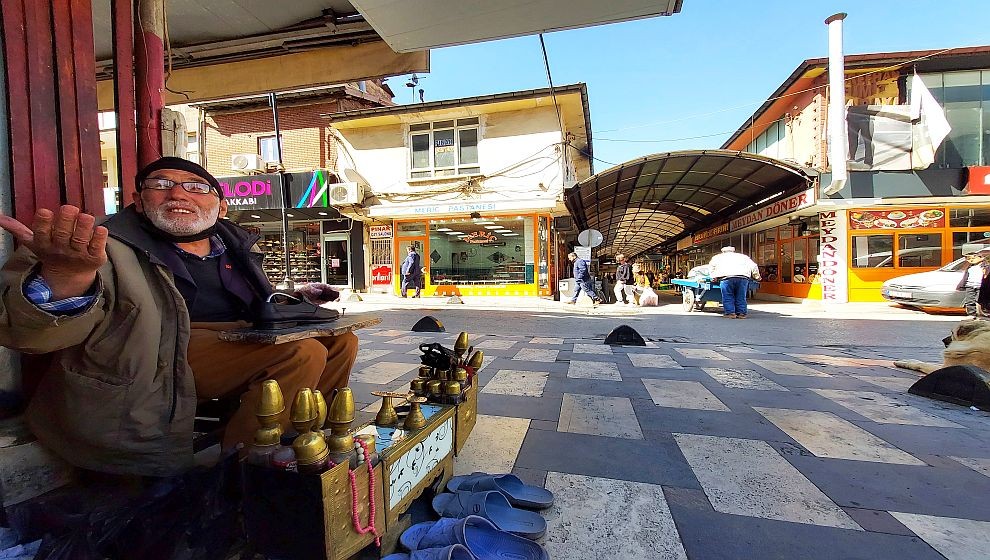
(936, 288)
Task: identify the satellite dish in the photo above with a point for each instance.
(590, 238)
(353, 176)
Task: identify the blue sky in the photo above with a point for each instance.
(699, 73)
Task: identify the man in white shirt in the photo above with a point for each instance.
(733, 271)
(971, 280)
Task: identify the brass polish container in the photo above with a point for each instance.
(303, 411)
(418, 387)
(321, 410)
(477, 359)
(269, 435)
(425, 372)
(415, 419)
(452, 388)
(386, 414)
(310, 448)
(340, 417)
(460, 374)
(271, 405)
(461, 345)
(435, 386)
(368, 439)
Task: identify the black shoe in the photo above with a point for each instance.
(281, 311)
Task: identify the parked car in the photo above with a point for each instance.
(936, 288)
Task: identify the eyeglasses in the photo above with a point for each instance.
(194, 187)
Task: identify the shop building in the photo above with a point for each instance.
(474, 184)
(324, 240)
(886, 222)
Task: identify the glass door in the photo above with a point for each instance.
(336, 260)
(402, 245)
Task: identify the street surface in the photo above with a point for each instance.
(786, 435)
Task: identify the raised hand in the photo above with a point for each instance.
(69, 245)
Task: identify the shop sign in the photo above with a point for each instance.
(381, 275)
(454, 208)
(832, 268)
(260, 192)
(683, 243)
(897, 218)
(583, 253)
(779, 208)
(706, 234)
(480, 237)
(380, 232)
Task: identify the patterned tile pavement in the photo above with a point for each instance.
(704, 451)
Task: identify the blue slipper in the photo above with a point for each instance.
(452, 552)
(518, 493)
(480, 536)
(494, 507)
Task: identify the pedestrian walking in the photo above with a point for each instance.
(411, 272)
(582, 280)
(974, 276)
(733, 271)
(623, 280)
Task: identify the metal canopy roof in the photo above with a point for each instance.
(644, 203)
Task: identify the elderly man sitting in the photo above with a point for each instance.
(129, 315)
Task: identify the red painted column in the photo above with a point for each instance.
(123, 95)
(149, 78)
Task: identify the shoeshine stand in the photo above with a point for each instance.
(345, 323)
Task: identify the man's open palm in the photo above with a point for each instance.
(68, 243)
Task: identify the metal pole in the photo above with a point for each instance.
(836, 105)
(287, 283)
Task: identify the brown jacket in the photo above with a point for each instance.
(118, 395)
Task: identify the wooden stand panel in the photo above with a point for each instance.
(305, 517)
(346, 323)
(467, 416)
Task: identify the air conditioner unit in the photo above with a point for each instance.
(346, 193)
(248, 163)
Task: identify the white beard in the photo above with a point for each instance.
(185, 224)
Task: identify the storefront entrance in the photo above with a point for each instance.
(336, 261)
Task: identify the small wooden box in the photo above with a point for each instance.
(306, 517)
(467, 416)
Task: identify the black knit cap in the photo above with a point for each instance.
(179, 164)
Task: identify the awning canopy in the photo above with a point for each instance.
(242, 47)
(646, 203)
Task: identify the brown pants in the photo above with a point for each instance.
(224, 369)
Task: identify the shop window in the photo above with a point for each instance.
(964, 242)
(969, 217)
(915, 251)
(496, 251)
(965, 97)
(872, 251)
(444, 148)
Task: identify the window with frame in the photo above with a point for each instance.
(444, 148)
(267, 148)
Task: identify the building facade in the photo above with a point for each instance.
(474, 184)
(885, 223)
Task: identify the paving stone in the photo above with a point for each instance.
(493, 445)
(594, 370)
(546, 340)
(543, 425)
(844, 362)
(827, 435)
(544, 408)
(884, 409)
(391, 333)
(898, 384)
(516, 382)
(592, 349)
(495, 344)
(978, 464)
(682, 394)
(878, 521)
(737, 349)
(662, 361)
(688, 498)
(700, 354)
(533, 477)
(409, 340)
(718, 536)
(747, 477)
(956, 539)
(382, 373)
(742, 379)
(536, 355)
(600, 416)
(928, 490)
(658, 461)
(784, 367)
(575, 527)
(368, 354)
(658, 421)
